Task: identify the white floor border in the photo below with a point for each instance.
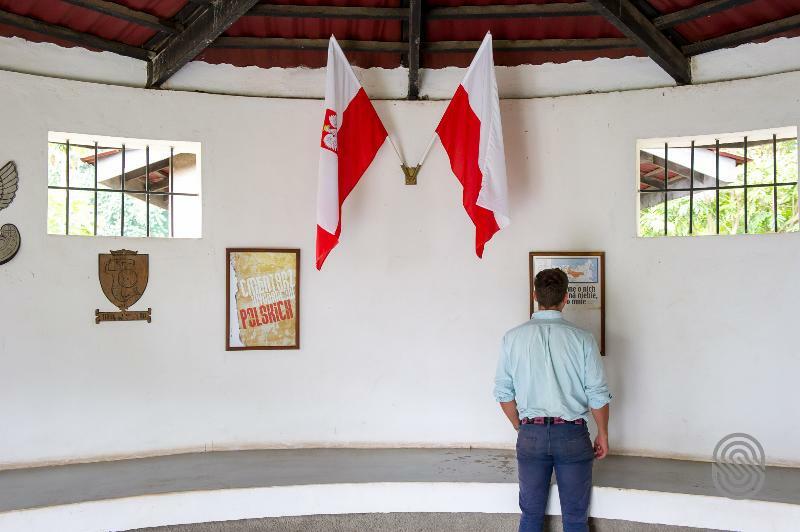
(222, 505)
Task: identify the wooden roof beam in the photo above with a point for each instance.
(270, 43)
(634, 25)
(66, 34)
(346, 12)
(401, 13)
(743, 36)
(125, 13)
(196, 37)
(414, 42)
(513, 11)
(544, 45)
(691, 13)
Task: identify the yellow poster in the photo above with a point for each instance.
(263, 288)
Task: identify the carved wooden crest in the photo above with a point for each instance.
(123, 277)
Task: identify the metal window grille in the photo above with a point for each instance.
(122, 191)
(666, 189)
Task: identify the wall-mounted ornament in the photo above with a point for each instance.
(123, 277)
(9, 242)
(8, 184)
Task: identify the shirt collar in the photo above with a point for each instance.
(546, 315)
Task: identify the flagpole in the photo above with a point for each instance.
(402, 162)
(427, 150)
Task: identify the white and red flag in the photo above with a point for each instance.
(472, 134)
(352, 133)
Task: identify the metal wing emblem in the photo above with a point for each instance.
(8, 184)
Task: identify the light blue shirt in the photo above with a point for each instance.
(552, 368)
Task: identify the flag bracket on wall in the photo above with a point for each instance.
(411, 173)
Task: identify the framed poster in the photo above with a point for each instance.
(262, 298)
(586, 271)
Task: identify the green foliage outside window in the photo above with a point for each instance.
(760, 200)
(82, 203)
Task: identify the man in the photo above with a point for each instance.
(549, 377)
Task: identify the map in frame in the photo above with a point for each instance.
(586, 273)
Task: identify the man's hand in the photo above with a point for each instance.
(601, 446)
(601, 442)
(510, 410)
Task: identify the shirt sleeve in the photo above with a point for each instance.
(595, 379)
(503, 381)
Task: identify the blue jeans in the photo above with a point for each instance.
(568, 449)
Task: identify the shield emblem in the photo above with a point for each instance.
(123, 276)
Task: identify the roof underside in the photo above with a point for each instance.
(266, 37)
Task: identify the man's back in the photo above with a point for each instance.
(551, 368)
(548, 378)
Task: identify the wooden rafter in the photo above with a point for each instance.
(414, 43)
(181, 19)
(652, 13)
(270, 43)
(60, 32)
(634, 25)
(125, 13)
(743, 36)
(401, 13)
(512, 11)
(198, 34)
(346, 12)
(520, 45)
(278, 43)
(691, 13)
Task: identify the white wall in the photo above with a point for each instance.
(400, 331)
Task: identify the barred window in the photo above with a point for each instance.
(108, 186)
(719, 185)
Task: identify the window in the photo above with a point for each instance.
(106, 186)
(721, 185)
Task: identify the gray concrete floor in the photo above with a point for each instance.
(407, 522)
(47, 486)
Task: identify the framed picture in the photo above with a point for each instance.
(586, 273)
(262, 298)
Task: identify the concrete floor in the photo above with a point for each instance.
(407, 522)
(47, 486)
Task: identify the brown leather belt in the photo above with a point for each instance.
(551, 421)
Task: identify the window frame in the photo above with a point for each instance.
(97, 145)
(665, 189)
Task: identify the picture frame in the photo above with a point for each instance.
(262, 298)
(586, 270)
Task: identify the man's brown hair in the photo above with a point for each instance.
(550, 287)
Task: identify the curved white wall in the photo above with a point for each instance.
(400, 332)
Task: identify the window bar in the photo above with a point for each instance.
(122, 186)
(745, 185)
(96, 163)
(170, 191)
(716, 152)
(666, 184)
(691, 191)
(66, 210)
(775, 181)
(147, 184)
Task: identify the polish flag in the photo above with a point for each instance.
(352, 133)
(472, 134)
